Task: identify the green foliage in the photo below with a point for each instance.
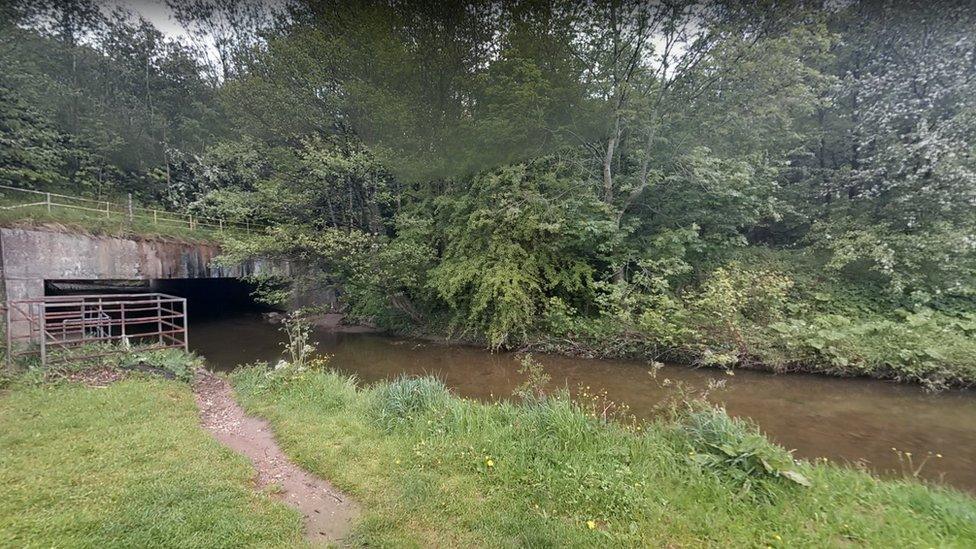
(730, 300)
(535, 386)
(734, 448)
(298, 348)
(513, 239)
(926, 347)
(407, 398)
(599, 178)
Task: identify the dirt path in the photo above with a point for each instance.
(328, 514)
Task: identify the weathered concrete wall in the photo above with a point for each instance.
(29, 257)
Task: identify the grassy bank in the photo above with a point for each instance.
(126, 465)
(115, 225)
(435, 470)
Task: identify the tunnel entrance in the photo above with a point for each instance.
(207, 298)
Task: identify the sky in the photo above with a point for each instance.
(156, 12)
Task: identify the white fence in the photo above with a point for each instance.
(13, 198)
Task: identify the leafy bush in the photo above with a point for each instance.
(927, 347)
(734, 297)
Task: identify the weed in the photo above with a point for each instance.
(735, 448)
(533, 389)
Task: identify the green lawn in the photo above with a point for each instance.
(433, 470)
(125, 466)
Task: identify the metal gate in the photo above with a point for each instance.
(79, 327)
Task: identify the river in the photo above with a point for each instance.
(856, 421)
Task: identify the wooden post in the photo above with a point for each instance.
(107, 211)
(221, 221)
(48, 202)
(129, 208)
(155, 222)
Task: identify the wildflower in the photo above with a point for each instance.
(777, 537)
(490, 462)
(397, 462)
(591, 524)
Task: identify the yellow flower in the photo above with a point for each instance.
(490, 462)
(591, 524)
(776, 537)
(397, 462)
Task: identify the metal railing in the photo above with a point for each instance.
(48, 202)
(84, 326)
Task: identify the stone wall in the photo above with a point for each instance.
(29, 257)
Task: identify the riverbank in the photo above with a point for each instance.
(435, 470)
(928, 348)
(107, 458)
(846, 420)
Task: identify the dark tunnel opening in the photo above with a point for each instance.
(207, 298)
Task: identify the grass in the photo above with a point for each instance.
(431, 469)
(125, 466)
(116, 224)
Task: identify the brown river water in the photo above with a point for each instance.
(845, 420)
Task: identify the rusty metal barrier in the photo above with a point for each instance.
(98, 321)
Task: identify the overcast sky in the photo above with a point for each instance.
(155, 11)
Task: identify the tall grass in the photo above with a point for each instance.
(435, 470)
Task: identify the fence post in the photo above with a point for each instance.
(221, 221)
(155, 222)
(186, 333)
(159, 318)
(107, 210)
(43, 321)
(10, 361)
(122, 314)
(129, 208)
(48, 202)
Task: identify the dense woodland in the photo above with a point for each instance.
(788, 185)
